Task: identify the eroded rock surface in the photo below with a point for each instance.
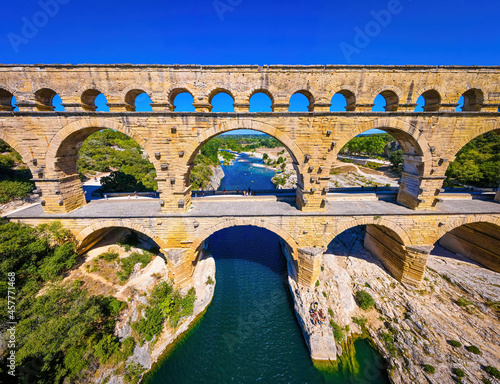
(413, 328)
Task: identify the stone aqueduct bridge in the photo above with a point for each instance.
(400, 234)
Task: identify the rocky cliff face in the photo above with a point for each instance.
(215, 180)
(439, 325)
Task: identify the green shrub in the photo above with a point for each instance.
(324, 294)
(361, 321)
(459, 373)
(128, 264)
(317, 283)
(473, 349)
(210, 281)
(387, 337)
(454, 343)
(133, 372)
(128, 347)
(109, 256)
(63, 258)
(429, 369)
(463, 302)
(14, 189)
(106, 347)
(493, 371)
(367, 285)
(486, 381)
(114, 306)
(338, 331)
(165, 303)
(365, 300)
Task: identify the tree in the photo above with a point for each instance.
(396, 158)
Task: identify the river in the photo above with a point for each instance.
(246, 172)
(249, 332)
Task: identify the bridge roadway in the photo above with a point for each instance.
(400, 237)
(243, 206)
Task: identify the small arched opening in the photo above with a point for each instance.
(7, 101)
(343, 100)
(261, 101)
(94, 100)
(138, 101)
(182, 100)
(471, 101)
(221, 101)
(48, 100)
(429, 101)
(301, 101)
(387, 101)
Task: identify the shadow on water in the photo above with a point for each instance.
(257, 245)
(249, 333)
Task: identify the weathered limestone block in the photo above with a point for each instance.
(387, 247)
(309, 262)
(180, 268)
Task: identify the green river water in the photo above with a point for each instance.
(249, 333)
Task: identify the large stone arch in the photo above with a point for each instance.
(476, 237)
(392, 246)
(110, 224)
(341, 227)
(234, 125)
(471, 134)
(23, 152)
(464, 220)
(401, 130)
(91, 124)
(238, 222)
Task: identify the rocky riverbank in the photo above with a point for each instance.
(216, 179)
(97, 277)
(446, 332)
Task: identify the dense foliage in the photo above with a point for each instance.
(477, 163)
(378, 145)
(14, 175)
(112, 151)
(165, 303)
(368, 145)
(365, 300)
(63, 332)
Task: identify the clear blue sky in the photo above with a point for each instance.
(252, 32)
